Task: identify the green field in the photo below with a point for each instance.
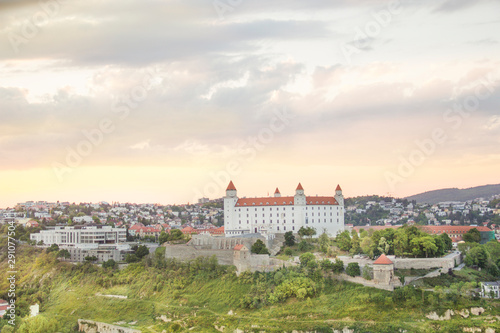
(201, 296)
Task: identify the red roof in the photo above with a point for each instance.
(277, 191)
(383, 260)
(456, 229)
(299, 187)
(239, 247)
(338, 188)
(284, 201)
(231, 186)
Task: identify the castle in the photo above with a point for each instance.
(277, 214)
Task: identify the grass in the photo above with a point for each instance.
(201, 300)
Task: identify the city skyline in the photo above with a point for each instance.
(165, 102)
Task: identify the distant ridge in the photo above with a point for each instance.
(455, 194)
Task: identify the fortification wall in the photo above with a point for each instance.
(445, 263)
(186, 252)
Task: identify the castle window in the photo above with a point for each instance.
(293, 228)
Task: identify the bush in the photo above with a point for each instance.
(338, 266)
(326, 265)
(305, 258)
(353, 269)
(288, 251)
(305, 246)
(289, 238)
(259, 247)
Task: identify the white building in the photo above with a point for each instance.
(81, 235)
(489, 289)
(271, 215)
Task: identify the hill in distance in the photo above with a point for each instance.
(456, 194)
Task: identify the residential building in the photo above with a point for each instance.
(81, 235)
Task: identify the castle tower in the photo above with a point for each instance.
(383, 270)
(299, 197)
(338, 196)
(229, 203)
(277, 193)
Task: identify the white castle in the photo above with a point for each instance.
(272, 215)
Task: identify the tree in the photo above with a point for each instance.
(109, 264)
(326, 265)
(90, 258)
(448, 244)
(176, 234)
(259, 247)
(324, 242)
(472, 236)
(64, 254)
(52, 248)
(289, 238)
(338, 266)
(163, 237)
(307, 231)
(343, 240)
(355, 244)
(142, 251)
(353, 269)
(305, 258)
(304, 246)
(477, 256)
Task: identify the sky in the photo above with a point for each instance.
(166, 101)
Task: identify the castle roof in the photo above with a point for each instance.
(277, 191)
(299, 187)
(230, 186)
(239, 247)
(284, 201)
(383, 260)
(338, 188)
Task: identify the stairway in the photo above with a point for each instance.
(277, 243)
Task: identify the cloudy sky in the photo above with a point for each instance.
(165, 101)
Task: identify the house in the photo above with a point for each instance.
(32, 224)
(490, 289)
(4, 306)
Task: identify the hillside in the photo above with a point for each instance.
(201, 296)
(455, 194)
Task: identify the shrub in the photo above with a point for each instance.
(353, 269)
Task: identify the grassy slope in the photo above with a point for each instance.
(68, 293)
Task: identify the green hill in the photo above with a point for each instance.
(455, 194)
(202, 296)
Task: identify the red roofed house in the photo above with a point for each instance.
(4, 305)
(279, 214)
(31, 224)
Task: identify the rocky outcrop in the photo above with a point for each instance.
(434, 316)
(476, 311)
(90, 326)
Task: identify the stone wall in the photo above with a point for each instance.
(185, 252)
(445, 263)
(90, 326)
(367, 283)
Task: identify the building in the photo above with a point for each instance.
(4, 306)
(490, 289)
(383, 270)
(277, 214)
(70, 236)
(455, 232)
